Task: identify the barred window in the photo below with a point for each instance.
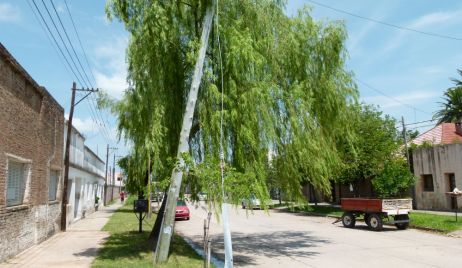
(53, 185)
(16, 183)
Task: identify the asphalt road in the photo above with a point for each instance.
(281, 239)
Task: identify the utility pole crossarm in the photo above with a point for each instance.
(85, 90)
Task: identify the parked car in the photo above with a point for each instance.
(202, 196)
(251, 203)
(181, 211)
(159, 196)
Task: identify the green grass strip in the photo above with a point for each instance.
(126, 247)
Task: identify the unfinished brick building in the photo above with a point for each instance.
(31, 159)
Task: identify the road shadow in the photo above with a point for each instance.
(290, 244)
(89, 252)
(386, 228)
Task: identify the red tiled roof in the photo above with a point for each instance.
(441, 134)
(449, 134)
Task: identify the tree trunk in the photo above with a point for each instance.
(163, 246)
(154, 235)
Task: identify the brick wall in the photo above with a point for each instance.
(31, 128)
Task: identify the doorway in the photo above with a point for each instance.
(452, 184)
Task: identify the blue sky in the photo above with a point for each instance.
(412, 68)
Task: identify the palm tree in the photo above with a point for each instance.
(451, 111)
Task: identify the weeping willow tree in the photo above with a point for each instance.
(286, 93)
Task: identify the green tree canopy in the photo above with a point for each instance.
(376, 141)
(378, 153)
(286, 91)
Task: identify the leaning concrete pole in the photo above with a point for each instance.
(163, 244)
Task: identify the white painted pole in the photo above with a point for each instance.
(227, 236)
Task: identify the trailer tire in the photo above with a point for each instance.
(348, 220)
(375, 222)
(366, 219)
(402, 225)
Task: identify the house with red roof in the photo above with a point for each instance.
(437, 164)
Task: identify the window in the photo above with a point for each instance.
(16, 183)
(53, 185)
(428, 182)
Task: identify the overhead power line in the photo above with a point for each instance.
(70, 43)
(386, 23)
(426, 121)
(103, 129)
(64, 43)
(80, 42)
(390, 97)
(56, 42)
(425, 126)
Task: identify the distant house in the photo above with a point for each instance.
(444, 133)
(438, 167)
(31, 159)
(86, 178)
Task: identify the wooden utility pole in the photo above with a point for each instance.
(105, 179)
(405, 143)
(408, 160)
(113, 176)
(163, 244)
(66, 153)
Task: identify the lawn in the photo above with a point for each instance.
(127, 248)
(440, 223)
(445, 224)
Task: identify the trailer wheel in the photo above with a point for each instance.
(375, 222)
(402, 225)
(366, 219)
(348, 219)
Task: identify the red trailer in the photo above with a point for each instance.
(375, 211)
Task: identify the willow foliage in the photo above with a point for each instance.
(286, 93)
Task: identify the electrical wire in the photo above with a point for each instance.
(426, 121)
(64, 44)
(390, 97)
(78, 38)
(70, 43)
(56, 42)
(386, 23)
(104, 132)
(92, 97)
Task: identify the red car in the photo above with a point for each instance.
(181, 211)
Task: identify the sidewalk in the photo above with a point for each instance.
(77, 247)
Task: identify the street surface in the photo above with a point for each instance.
(289, 240)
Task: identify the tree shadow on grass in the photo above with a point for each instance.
(135, 245)
(292, 244)
(130, 244)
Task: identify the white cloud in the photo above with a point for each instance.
(433, 70)
(424, 23)
(9, 13)
(436, 18)
(356, 38)
(111, 59)
(85, 125)
(412, 97)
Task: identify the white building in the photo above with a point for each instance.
(86, 178)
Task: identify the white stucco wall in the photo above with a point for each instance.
(440, 160)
